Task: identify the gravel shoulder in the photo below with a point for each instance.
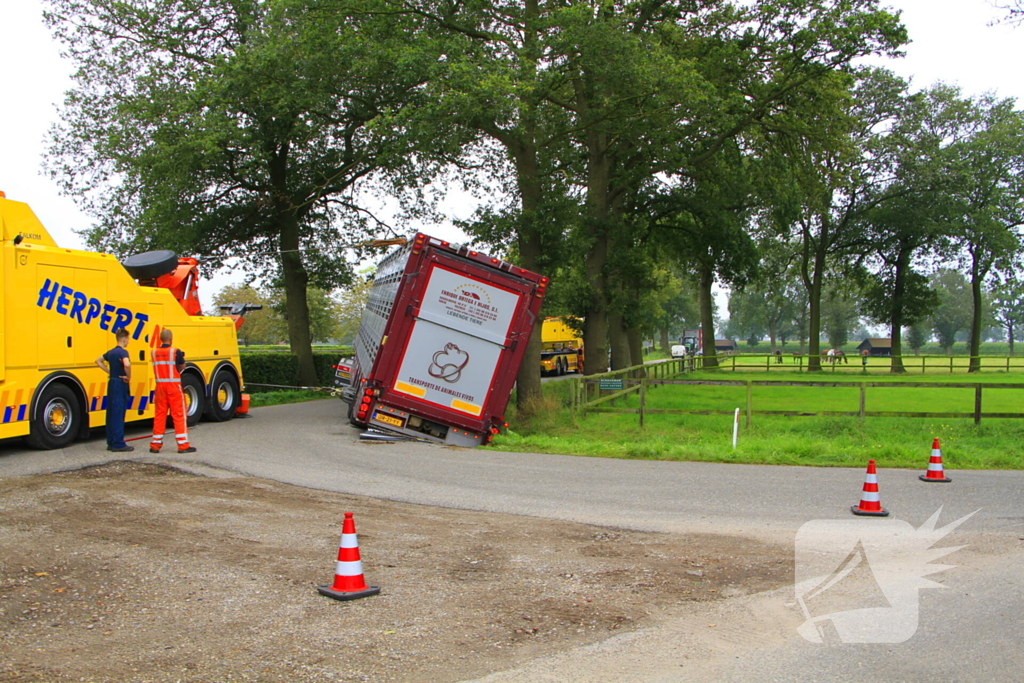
(139, 572)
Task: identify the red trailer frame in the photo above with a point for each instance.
(457, 326)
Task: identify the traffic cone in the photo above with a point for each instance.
(935, 472)
(869, 502)
(348, 574)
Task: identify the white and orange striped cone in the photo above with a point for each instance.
(935, 472)
(869, 502)
(348, 574)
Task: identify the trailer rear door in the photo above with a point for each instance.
(456, 340)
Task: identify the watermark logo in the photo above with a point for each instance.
(861, 579)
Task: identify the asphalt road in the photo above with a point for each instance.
(973, 631)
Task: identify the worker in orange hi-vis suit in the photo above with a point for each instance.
(168, 362)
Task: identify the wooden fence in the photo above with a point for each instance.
(590, 394)
(875, 364)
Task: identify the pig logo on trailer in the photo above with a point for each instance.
(448, 363)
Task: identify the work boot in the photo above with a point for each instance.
(190, 449)
(154, 450)
(122, 449)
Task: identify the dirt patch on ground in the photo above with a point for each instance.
(132, 572)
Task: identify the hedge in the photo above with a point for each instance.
(282, 369)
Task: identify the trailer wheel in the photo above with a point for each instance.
(192, 389)
(56, 422)
(224, 395)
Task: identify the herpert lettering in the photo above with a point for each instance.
(88, 310)
(78, 306)
(94, 310)
(124, 316)
(64, 299)
(47, 293)
(142, 319)
(105, 318)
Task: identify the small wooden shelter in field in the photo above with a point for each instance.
(876, 346)
(725, 346)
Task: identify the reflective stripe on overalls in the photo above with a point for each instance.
(168, 399)
(165, 366)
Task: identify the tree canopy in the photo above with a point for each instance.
(637, 153)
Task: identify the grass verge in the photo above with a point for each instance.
(276, 398)
(549, 426)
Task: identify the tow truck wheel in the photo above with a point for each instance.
(55, 424)
(224, 397)
(192, 389)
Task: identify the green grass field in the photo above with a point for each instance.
(788, 440)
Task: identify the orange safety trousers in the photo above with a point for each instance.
(168, 397)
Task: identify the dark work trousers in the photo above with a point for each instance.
(117, 403)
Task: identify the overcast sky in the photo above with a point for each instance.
(951, 41)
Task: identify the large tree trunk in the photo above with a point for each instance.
(636, 346)
(976, 296)
(814, 313)
(528, 386)
(705, 301)
(595, 326)
(619, 342)
(296, 280)
(522, 148)
(896, 313)
(666, 345)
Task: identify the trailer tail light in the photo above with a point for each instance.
(494, 430)
(366, 400)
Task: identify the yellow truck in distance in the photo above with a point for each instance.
(561, 348)
(58, 310)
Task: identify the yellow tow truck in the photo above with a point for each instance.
(561, 348)
(58, 310)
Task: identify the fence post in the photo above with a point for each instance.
(951, 365)
(977, 404)
(862, 401)
(643, 399)
(749, 401)
(572, 398)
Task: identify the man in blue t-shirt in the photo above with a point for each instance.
(115, 361)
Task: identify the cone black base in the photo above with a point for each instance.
(939, 481)
(869, 513)
(348, 595)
